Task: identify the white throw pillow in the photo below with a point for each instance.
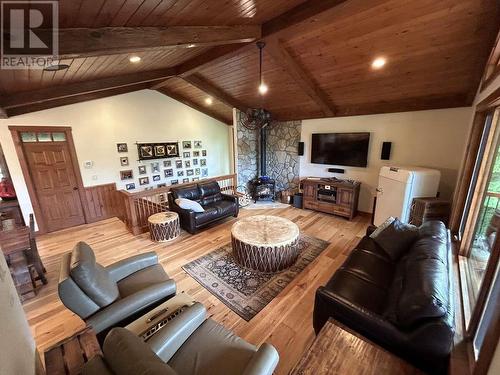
(188, 204)
(382, 227)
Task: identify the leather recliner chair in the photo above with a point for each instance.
(406, 305)
(217, 205)
(190, 344)
(106, 297)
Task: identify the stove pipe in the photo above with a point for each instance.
(263, 157)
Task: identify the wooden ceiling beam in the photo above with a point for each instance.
(87, 87)
(301, 16)
(3, 113)
(85, 42)
(193, 105)
(215, 92)
(283, 58)
(15, 111)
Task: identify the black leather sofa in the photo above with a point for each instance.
(405, 306)
(217, 206)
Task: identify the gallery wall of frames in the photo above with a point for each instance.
(162, 164)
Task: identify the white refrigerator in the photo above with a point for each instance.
(397, 186)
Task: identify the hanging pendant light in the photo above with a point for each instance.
(262, 86)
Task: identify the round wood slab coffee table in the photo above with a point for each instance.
(164, 226)
(265, 243)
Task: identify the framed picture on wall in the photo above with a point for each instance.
(185, 180)
(169, 172)
(155, 167)
(197, 144)
(203, 162)
(180, 173)
(160, 151)
(121, 147)
(186, 154)
(196, 154)
(174, 182)
(143, 181)
(189, 172)
(142, 169)
(167, 163)
(195, 161)
(204, 172)
(172, 149)
(160, 186)
(130, 186)
(195, 179)
(186, 144)
(124, 161)
(203, 152)
(178, 164)
(145, 152)
(126, 175)
(156, 177)
(197, 171)
(187, 164)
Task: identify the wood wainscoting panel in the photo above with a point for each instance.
(103, 202)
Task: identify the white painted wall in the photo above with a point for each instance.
(98, 125)
(434, 139)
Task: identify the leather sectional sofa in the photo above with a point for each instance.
(406, 306)
(217, 206)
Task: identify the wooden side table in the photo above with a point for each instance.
(337, 350)
(68, 356)
(164, 226)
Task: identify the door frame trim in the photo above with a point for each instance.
(18, 145)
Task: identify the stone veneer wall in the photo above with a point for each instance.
(282, 154)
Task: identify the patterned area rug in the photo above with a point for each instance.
(244, 291)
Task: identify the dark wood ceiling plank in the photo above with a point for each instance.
(281, 57)
(193, 105)
(81, 42)
(76, 99)
(75, 89)
(298, 15)
(215, 92)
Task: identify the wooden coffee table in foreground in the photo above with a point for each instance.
(265, 243)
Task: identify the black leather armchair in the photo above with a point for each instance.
(106, 297)
(405, 306)
(217, 205)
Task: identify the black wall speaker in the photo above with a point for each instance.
(301, 148)
(336, 170)
(386, 151)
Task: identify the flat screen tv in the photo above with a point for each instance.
(347, 149)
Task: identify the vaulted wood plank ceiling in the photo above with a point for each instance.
(317, 61)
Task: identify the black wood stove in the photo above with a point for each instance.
(263, 187)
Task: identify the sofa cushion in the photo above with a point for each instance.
(188, 204)
(370, 267)
(142, 279)
(188, 192)
(369, 244)
(91, 277)
(209, 188)
(224, 208)
(212, 350)
(126, 354)
(396, 238)
(209, 214)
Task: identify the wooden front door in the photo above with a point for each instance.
(55, 184)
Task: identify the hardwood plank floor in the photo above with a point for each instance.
(286, 322)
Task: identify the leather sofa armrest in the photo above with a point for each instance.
(229, 197)
(370, 229)
(263, 362)
(125, 307)
(172, 336)
(127, 267)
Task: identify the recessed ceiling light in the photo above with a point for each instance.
(191, 45)
(379, 62)
(56, 67)
(208, 101)
(134, 59)
(263, 88)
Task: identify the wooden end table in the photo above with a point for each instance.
(265, 243)
(69, 355)
(338, 350)
(164, 226)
